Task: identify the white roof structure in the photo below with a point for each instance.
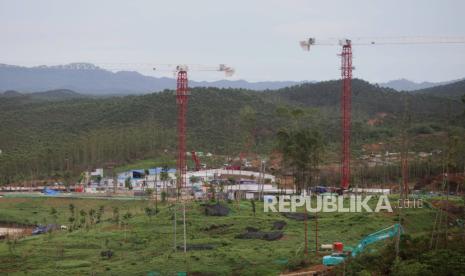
(215, 173)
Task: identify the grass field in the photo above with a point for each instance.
(143, 245)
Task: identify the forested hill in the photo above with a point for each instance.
(38, 134)
(372, 99)
(454, 90)
(12, 97)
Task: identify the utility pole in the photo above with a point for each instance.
(174, 224)
(463, 198)
(316, 232)
(184, 220)
(404, 188)
(306, 235)
(405, 150)
(449, 161)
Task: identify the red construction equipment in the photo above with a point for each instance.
(346, 103)
(196, 160)
(346, 73)
(247, 145)
(182, 96)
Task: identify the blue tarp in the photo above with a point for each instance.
(48, 191)
(320, 189)
(138, 174)
(42, 229)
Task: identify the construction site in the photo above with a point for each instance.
(339, 177)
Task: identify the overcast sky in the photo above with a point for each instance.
(257, 37)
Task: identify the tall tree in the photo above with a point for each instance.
(301, 150)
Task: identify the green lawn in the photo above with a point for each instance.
(145, 245)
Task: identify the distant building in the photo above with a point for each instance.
(209, 175)
(139, 181)
(97, 172)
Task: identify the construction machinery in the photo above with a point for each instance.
(182, 96)
(339, 255)
(346, 101)
(346, 74)
(195, 158)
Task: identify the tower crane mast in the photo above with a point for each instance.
(182, 97)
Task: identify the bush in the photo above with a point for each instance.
(163, 196)
(411, 268)
(421, 129)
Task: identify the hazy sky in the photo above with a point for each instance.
(257, 37)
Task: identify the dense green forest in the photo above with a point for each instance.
(44, 134)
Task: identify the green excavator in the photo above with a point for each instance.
(339, 257)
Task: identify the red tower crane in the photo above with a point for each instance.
(346, 103)
(346, 74)
(346, 109)
(182, 97)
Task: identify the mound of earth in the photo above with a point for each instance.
(106, 254)
(216, 210)
(251, 229)
(216, 227)
(272, 236)
(253, 233)
(297, 216)
(279, 225)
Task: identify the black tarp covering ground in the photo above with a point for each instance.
(106, 254)
(216, 210)
(214, 227)
(297, 216)
(254, 233)
(279, 225)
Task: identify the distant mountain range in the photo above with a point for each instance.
(87, 78)
(407, 85)
(46, 96)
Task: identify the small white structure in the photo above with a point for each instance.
(97, 172)
(371, 191)
(254, 188)
(208, 175)
(249, 195)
